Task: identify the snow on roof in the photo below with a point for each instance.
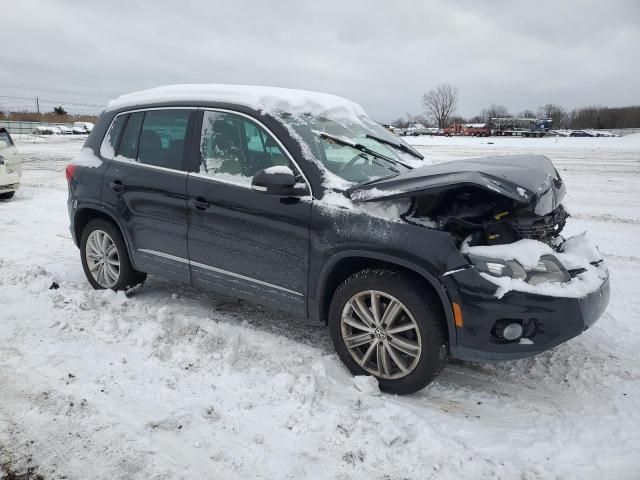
(266, 99)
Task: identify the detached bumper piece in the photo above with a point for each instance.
(519, 324)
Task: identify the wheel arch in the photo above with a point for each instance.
(342, 265)
(84, 214)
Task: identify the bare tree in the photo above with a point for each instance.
(440, 103)
(554, 112)
(527, 114)
(496, 110)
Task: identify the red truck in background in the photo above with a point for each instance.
(468, 130)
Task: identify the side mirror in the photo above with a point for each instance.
(277, 180)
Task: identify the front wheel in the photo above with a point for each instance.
(7, 195)
(388, 325)
(105, 259)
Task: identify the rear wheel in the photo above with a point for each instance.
(7, 195)
(105, 259)
(388, 325)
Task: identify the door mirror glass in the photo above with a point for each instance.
(277, 180)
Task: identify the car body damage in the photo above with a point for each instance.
(496, 200)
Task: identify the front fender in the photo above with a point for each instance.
(316, 305)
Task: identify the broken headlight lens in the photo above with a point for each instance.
(498, 268)
(548, 269)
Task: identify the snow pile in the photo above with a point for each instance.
(278, 169)
(175, 382)
(527, 252)
(390, 210)
(86, 158)
(575, 253)
(366, 194)
(265, 99)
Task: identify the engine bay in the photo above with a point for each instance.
(484, 217)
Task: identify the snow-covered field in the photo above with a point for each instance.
(175, 383)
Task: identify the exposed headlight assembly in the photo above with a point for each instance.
(548, 269)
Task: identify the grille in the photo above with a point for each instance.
(542, 228)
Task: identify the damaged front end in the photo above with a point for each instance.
(489, 201)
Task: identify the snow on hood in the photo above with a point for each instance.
(266, 99)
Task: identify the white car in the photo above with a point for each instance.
(82, 127)
(47, 130)
(10, 166)
(64, 129)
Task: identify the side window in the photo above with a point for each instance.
(110, 142)
(234, 148)
(130, 136)
(162, 138)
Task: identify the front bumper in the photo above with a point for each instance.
(8, 181)
(547, 321)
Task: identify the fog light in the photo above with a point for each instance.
(513, 331)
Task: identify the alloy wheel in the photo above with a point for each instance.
(102, 258)
(380, 334)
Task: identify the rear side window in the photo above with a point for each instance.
(110, 142)
(130, 137)
(163, 137)
(5, 139)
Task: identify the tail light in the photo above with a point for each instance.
(68, 172)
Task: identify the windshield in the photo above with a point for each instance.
(346, 148)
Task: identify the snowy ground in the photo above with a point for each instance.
(178, 383)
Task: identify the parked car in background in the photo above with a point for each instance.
(46, 130)
(299, 201)
(10, 165)
(64, 130)
(415, 129)
(579, 133)
(82, 127)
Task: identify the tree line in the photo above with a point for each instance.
(440, 103)
(58, 115)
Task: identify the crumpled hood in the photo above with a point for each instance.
(529, 180)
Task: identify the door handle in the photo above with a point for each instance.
(116, 186)
(200, 203)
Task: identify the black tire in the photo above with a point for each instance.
(128, 277)
(423, 307)
(7, 195)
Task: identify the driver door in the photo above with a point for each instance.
(242, 242)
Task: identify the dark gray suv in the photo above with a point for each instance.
(298, 201)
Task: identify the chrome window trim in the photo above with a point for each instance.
(196, 174)
(266, 129)
(217, 270)
(127, 112)
(146, 165)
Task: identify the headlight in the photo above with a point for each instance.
(548, 269)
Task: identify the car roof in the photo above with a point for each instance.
(260, 98)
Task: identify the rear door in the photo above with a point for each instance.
(243, 242)
(146, 185)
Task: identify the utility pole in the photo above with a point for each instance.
(38, 105)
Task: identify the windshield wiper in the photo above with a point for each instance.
(362, 148)
(397, 146)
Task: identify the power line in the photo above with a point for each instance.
(56, 91)
(59, 102)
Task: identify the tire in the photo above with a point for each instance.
(423, 340)
(7, 195)
(116, 252)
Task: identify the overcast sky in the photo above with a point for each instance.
(384, 55)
